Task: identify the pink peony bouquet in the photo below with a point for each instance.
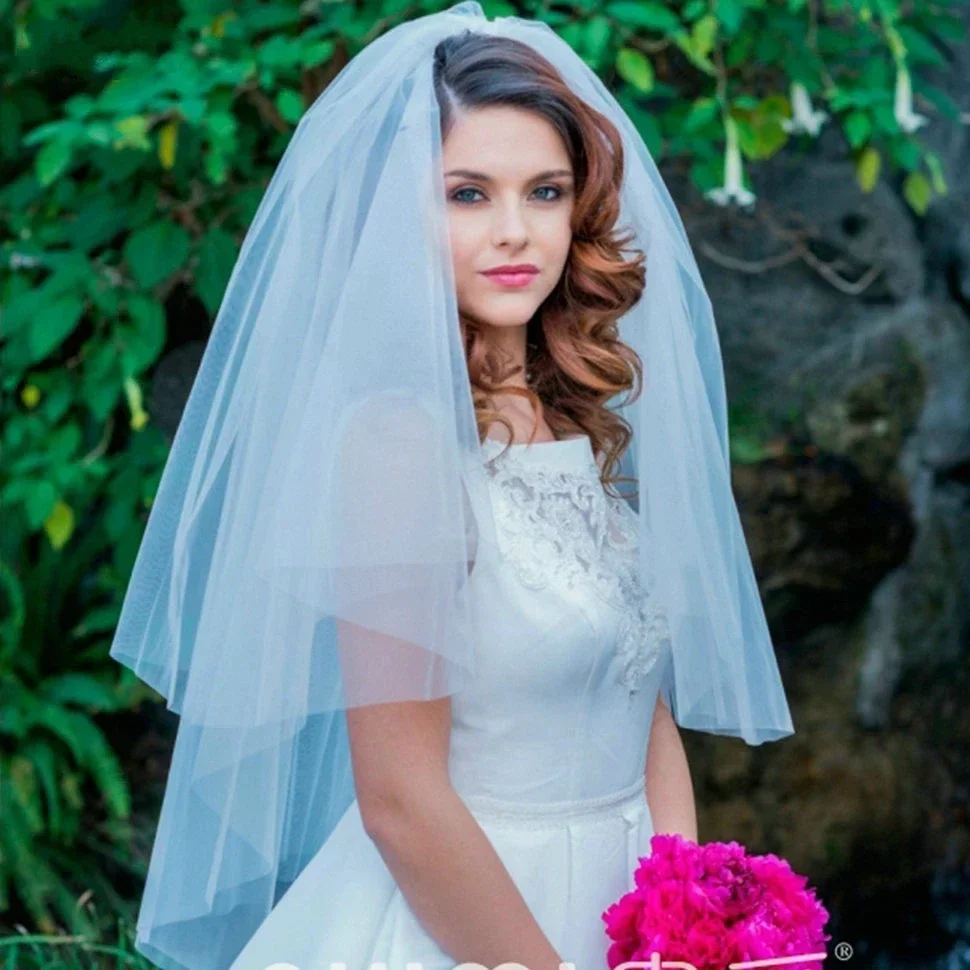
(713, 905)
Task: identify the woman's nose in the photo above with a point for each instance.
(510, 225)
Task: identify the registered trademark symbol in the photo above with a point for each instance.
(843, 951)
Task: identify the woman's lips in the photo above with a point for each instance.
(512, 279)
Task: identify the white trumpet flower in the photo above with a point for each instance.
(804, 117)
(907, 119)
(733, 188)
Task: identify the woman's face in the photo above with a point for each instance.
(509, 190)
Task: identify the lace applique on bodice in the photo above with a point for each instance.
(557, 525)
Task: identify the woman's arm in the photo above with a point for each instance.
(445, 864)
(670, 793)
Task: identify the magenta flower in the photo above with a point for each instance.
(714, 904)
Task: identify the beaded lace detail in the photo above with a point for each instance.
(558, 526)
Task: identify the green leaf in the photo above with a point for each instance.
(133, 394)
(703, 35)
(702, 112)
(217, 256)
(142, 341)
(168, 143)
(155, 252)
(101, 378)
(876, 76)
(653, 16)
(500, 8)
(279, 54)
(572, 34)
(935, 165)
(90, 750)
(100, 133)
(216, 166)
(597, 34)
(919, 49)
(41, 498)
(645, 121)
(50, 131)
(24, 784)
(62, 443)
(45, 764)
(56, 321)
(290, 105)
(634, 67)
(134, 133)
(193, 109)
(52, 160)
(842, 98)
(768, 47)
(318, 53)
(730, 14)
(760, 132)
(885, 120)
(858, 128)
(103, 619)
(12, 720)
(918, 192)
(59, 525)
(80, 690)
(688, 44)
(270, 16)
(867, 169)
(99, 217)
(221, 125)
(906, 153)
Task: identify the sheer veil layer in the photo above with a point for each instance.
(308, 548)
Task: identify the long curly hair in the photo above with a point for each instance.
(575, 361)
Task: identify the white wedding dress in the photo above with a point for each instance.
(548, 749)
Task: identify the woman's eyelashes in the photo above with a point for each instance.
(560, 193)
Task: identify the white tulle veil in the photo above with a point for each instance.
(308, 548)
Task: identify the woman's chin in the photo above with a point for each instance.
(512, 313)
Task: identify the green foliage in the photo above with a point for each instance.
(135, 144)
(50, 745)
(23, 951)
(55, 763)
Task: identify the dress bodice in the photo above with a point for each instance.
(571, 647)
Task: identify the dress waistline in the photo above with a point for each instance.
(488, 808)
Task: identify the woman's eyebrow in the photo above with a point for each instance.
(467, 173)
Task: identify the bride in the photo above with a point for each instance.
(430, 661)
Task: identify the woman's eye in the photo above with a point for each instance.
(459, 192)
(554, 188)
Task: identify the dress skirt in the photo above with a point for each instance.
(570, 860)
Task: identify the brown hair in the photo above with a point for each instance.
(575, 358)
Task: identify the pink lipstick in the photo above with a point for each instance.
(519, 274)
